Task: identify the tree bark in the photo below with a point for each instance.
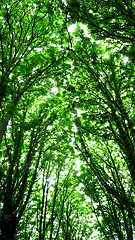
(3, 128)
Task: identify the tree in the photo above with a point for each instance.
(113, 20)
(67, 99)
(24, 147)
(56, 205)
(26, 70)
(104, 137)
(27, 64)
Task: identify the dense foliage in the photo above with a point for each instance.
(67, 120)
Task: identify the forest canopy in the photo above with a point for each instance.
(67, 120)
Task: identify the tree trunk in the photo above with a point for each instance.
(8, 228)
(3, 128)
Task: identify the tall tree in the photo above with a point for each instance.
(105, 131)
(30, 52)
(59, 92)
